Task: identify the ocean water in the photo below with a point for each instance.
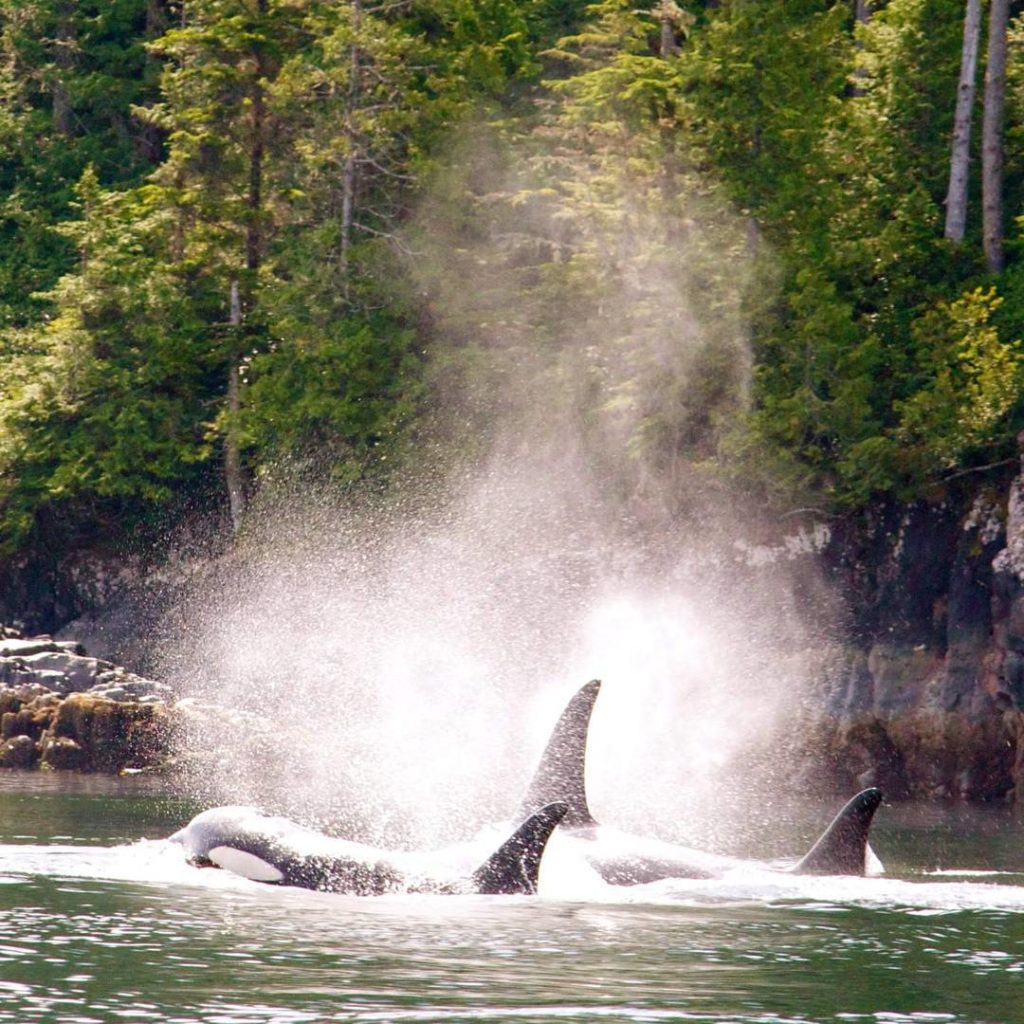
(102, 921)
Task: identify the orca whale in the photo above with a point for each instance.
(624, 859)
(272, 849)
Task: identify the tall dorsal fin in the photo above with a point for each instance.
(515, 866)
(560, 774)
(842, 848)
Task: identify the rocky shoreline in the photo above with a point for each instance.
(926, 699)
(61, 709)
(920, 692)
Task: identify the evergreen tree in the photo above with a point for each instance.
(101, 408)
(71, 77)
(234, 229)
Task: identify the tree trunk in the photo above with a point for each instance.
(258, 128)
(668, 37)
(956, 197)
(149, 138)
(64, 59)
(233, 477)
(667, 46)
(992, 137)
(861, 16)
(157, 18)
(348, 177)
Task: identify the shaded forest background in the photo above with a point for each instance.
(768, 248)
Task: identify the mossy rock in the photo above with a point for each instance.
(64, 754)
(113, 735)
(30, 720)
(10, 701)
(18, 752)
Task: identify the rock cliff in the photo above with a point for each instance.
(926, 695)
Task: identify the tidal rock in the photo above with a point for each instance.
(870, 757)
(112, 735)
(118, 684)
(32, 719)
(19, 648)
(18, 752)
(78, 673)
(64, 754)
(923, 697)
(65, 710)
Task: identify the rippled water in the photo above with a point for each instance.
(101, 921)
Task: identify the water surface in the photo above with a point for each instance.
(100, 920)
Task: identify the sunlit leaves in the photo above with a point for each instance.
(974, 378)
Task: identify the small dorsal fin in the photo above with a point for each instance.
(842, 848)
(515, 867)
(560, 774)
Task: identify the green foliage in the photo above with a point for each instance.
(972, 379)
(70, 77)
(582, 263)
(766, 79)
(892, 375)
(486, 44)
(711, 233)
(104, 403)
(340, 399)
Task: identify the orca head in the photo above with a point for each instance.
(234, 838)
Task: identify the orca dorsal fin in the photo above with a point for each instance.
(842, 847)
(560, 774)
(515, 867)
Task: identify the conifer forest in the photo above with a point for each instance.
(775, 247)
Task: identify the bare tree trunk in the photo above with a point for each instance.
(667, 46)
(668, 37)
(257, 135)
(64, 59)
(348, 196)
(157, 18)
(862, 11)
(348, 177)
(149, 138)
(992, 137)
(233, 477)
(959, 163)
(861, 16)
(670, 14)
